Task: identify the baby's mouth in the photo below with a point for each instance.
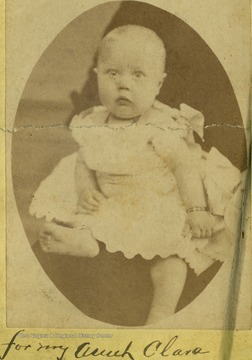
(122, 100)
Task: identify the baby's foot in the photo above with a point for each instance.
(67, 241)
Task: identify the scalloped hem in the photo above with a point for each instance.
(197, 261)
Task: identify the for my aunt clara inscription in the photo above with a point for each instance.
(154, 349)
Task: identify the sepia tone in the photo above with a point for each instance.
(63, 84)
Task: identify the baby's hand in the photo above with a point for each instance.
(201, 223)
(89, 201)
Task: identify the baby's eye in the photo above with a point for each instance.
(138, 74)
(112, 74)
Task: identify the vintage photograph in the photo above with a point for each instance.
(129, 169)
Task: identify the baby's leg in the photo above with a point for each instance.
(63, 240)
(168, 276)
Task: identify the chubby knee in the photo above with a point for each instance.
(94, 250)
(172, 266)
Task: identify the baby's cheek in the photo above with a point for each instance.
(108, 95)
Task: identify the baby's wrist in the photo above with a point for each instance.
(194, 209)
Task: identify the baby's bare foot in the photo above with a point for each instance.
(62, 240)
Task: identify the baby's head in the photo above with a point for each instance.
(130, 70)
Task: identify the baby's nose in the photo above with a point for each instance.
(123, 82)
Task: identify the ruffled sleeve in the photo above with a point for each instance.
(176, 144)
(92, 117)
(174, 141)
(56, 196)
(185, 120)
(77, 124)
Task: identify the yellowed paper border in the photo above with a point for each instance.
(2, 166)
(32, 343)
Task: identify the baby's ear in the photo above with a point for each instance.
(161, 81)
(95, 70)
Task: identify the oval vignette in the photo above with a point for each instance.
(62, 84)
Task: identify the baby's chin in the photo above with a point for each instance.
(125, 116)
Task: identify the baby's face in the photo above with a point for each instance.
(129, 78)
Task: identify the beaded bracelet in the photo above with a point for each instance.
(196, 208)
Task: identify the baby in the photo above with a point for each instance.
(139, 183)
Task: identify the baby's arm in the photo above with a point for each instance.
(193, 195)
(89, 194)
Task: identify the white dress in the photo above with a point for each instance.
(143, 213)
